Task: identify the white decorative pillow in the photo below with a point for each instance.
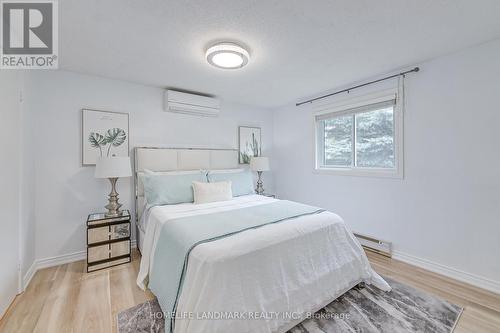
(212, 192)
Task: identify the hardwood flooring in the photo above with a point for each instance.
(481, 308)
(66, 299)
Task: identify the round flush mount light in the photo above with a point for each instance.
(227, 56)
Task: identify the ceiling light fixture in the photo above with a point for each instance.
(227, 56)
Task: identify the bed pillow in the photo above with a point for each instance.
(212, 192)
(170, 189)
(242, 181)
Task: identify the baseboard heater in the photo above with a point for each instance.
(375, 245)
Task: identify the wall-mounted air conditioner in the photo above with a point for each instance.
(180, 102)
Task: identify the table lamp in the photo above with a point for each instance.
(259, 164)
(113, 168)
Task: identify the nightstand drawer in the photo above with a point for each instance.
(108, 251)
(97, 253)
(103, 234)
(120, 230)
(107, 264)
(96, 235)
(120, 248)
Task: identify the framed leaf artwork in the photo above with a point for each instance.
(250, 144)
(104, 134)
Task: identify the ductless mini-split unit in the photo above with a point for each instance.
(196, 105)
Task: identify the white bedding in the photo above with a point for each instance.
(275, 274)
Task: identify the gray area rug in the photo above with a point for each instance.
(360, 310)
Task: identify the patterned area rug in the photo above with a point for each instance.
(360, 310)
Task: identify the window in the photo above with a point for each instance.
(361, 138)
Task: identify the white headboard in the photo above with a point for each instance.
(177, 159)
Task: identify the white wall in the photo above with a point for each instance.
(10, 161)
(64, 191)
(447, 208)
(26, 183)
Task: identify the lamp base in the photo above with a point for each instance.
(113, 206)
(259, 189)
(108, 214)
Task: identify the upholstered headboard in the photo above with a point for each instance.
(178, 159)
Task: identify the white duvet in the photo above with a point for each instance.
(262, 280)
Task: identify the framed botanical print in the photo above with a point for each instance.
(249, 143)
(104, 134)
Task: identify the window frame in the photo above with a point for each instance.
(346, 107)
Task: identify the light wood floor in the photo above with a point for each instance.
(66, 299)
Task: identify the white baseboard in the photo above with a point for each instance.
(475, 280)
(56, 261)
(29, 275)
(60, 260)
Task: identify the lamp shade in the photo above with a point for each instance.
(113, 167)
(259, 163)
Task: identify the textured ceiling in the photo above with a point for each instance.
(298, 48)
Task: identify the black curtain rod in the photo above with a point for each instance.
(416, 69)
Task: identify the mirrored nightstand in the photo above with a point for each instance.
(108, 241)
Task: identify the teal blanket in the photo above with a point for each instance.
(179, 236)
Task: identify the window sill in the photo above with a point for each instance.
(360, 172)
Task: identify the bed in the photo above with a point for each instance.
(264, 279)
